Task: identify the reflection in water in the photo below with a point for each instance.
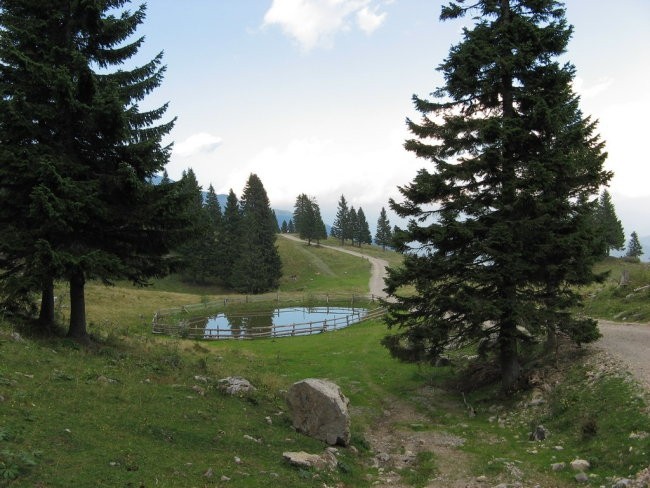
(281, 322)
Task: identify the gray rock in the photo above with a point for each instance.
(622, 483)
(302, 459)
(236, 385)
(319, 409)
(581, 478)
(539, 434)
(580, 465)
(558, 466)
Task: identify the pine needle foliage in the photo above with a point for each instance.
(502, 224)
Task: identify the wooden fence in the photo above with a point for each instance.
(186, 322)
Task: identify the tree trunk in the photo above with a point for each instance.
(510, 367)
(46, 314)
(77, 328)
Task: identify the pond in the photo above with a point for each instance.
(279, 322)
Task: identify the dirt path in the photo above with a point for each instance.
(629, 343)
(377, 272)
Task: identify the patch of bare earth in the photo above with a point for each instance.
(396, 445)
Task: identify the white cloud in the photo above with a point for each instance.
(593, 90)
(369, 20)
(314, 23)
(197, 144)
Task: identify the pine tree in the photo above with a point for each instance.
(258, 267)
(503, 223)
(352, 226)
(611, 228)
(340, 228)
(634, 248)
(231, 234)
(384, 235)
(196, 252)
(363, 229)
(79, 151)
(307, 219)
(290, 227)
(285, 227)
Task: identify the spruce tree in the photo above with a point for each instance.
(384, 234)
(340, 227)
(285, 227)
(502, 224)
(351, 230)
(258, 267)
(231, 234)
(611, 228)
(291, 228)
(79, 150)
(307, 219)
(363, 229)
(634, 248)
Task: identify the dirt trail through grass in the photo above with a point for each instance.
(377, 273)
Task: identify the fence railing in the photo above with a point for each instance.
(186, 322)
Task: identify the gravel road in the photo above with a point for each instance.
(630, 343)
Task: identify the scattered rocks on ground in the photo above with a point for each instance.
(319, 409)
(558, 466)
(581, 477)
(236, 385)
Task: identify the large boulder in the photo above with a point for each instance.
(319, 409)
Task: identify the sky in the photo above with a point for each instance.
(312, 95)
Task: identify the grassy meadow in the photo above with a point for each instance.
(137, 410)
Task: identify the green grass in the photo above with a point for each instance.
(138, 410)
(626, 303)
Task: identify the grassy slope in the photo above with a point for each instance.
(130, 411)
(627, 303)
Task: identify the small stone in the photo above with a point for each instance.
(237, 460)
(209, 473)
(481, 479)
(269, 420)
(558, 448)
(558, 466)
(580, 465)
(622, 483)
(198, 390)
(581, 478)
(539, 434)
(203, 379)
(251, 438)
(383, 457)
(225, 478)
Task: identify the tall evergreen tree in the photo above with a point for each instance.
(351, 230)
(502, 223)
(231, 235)
(290, 227)
(611, 228)
(258, 267)
(634, 248)
(363, 235)
(340, 227)
(307, 219)
(384, 235)
(285, 227)
(77, 147)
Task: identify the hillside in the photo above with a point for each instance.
(141, 410)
